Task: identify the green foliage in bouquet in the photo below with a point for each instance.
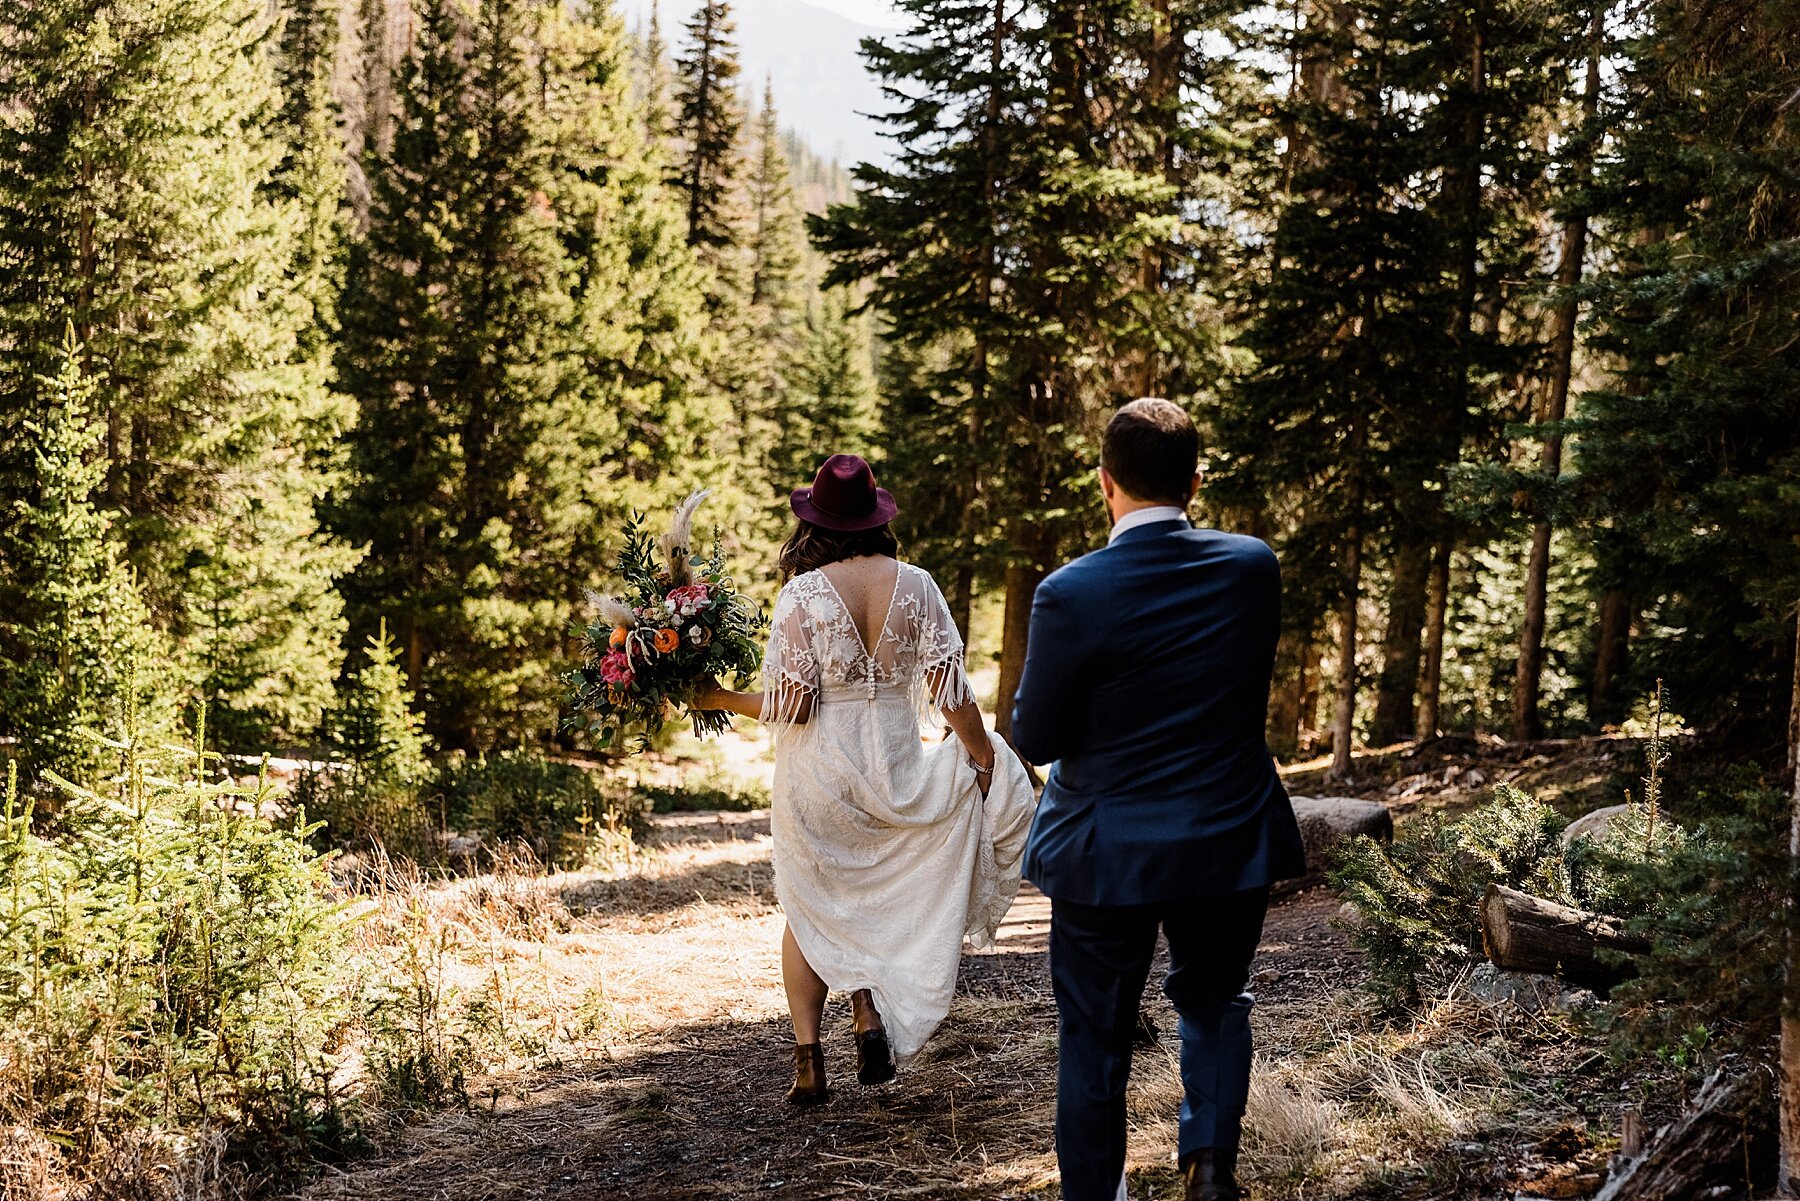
(1419, 899)
(680, 622)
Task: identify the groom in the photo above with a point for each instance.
(1146, 682)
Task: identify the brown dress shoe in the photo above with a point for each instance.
(809, 1076)
(874, 1058)
(1211, 1175)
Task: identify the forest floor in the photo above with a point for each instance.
(663, 1056)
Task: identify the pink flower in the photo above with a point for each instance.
(615, 669)
(689, 599)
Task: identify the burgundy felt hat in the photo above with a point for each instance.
(843, 497)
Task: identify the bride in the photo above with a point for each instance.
(888, 851)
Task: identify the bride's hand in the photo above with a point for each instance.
(708, 695)
(984, 773)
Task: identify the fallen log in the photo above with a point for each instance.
(1711, 1144)
(1523, 933)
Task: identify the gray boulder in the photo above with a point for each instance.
(1327, 821)
(1589, 825)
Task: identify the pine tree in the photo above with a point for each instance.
(313, 175)
(777, 240)
(456, 350)
(829, 398)
(373, 727)
(78, 650)
(1687, 454)
(139, 201)
(658, 121)
(1348, 323)
(642, 429)
(709, 120)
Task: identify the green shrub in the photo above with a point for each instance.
(553, 808)
(707, 792)
(1712, 909)
(1419, 899)
(166, 964)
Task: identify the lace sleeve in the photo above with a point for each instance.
(790, 668)
(943, 681)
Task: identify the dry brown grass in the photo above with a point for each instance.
(643, 1055)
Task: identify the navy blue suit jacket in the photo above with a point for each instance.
(1147, 684)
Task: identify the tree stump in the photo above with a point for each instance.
(1523, 933)
(1709, 1144)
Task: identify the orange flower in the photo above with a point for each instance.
(666, 640)
(619, 634)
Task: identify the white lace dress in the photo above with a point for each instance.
(886, 854)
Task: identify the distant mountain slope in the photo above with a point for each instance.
(821, 86)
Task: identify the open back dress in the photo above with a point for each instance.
(886, 854)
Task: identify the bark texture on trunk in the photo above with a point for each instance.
(1343, 715)
(1022, 580)
(1523, 933)
(1788, 1105)
(1612, 655)
(1288, 694)
(1401, 645)
(1527, 722)
(1708, 1145)
(1431, 669)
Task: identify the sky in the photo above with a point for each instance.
(869, 12)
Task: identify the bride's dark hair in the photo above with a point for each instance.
(811, 546)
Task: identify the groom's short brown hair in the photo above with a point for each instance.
(1151, 450)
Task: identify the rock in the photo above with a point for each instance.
(1268, 975)
(1589, 825)
(1349, 916)
(1493, 986)
(1327, 821)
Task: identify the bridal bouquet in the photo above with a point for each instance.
(678, 623)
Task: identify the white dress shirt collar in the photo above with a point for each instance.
(1150, 516)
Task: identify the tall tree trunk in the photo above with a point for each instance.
(1431, 669)
(1162, 60)
(1401, 649)
(1554, 406)
(1788, 1172)
(1022, 579)
(1288, 695)
(1343, 715)
(1612, 655)
(960, 597)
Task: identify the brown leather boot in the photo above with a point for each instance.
(809, 1076)
(874, 1058)
(1211, 1175)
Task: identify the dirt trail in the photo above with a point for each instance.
(689, 1105)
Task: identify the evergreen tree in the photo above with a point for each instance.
(644, 428)
(456, 351)
(139, 201)
(829, 392)
(1348, 323)
(312, 176)
(658, 121)
(373, 727)
(1689, 455)
(777, 241)
(79, 655)
(709, 121)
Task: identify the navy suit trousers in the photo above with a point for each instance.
(1100, 958)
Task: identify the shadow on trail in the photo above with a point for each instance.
(697, 1111)
(700, 1112)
